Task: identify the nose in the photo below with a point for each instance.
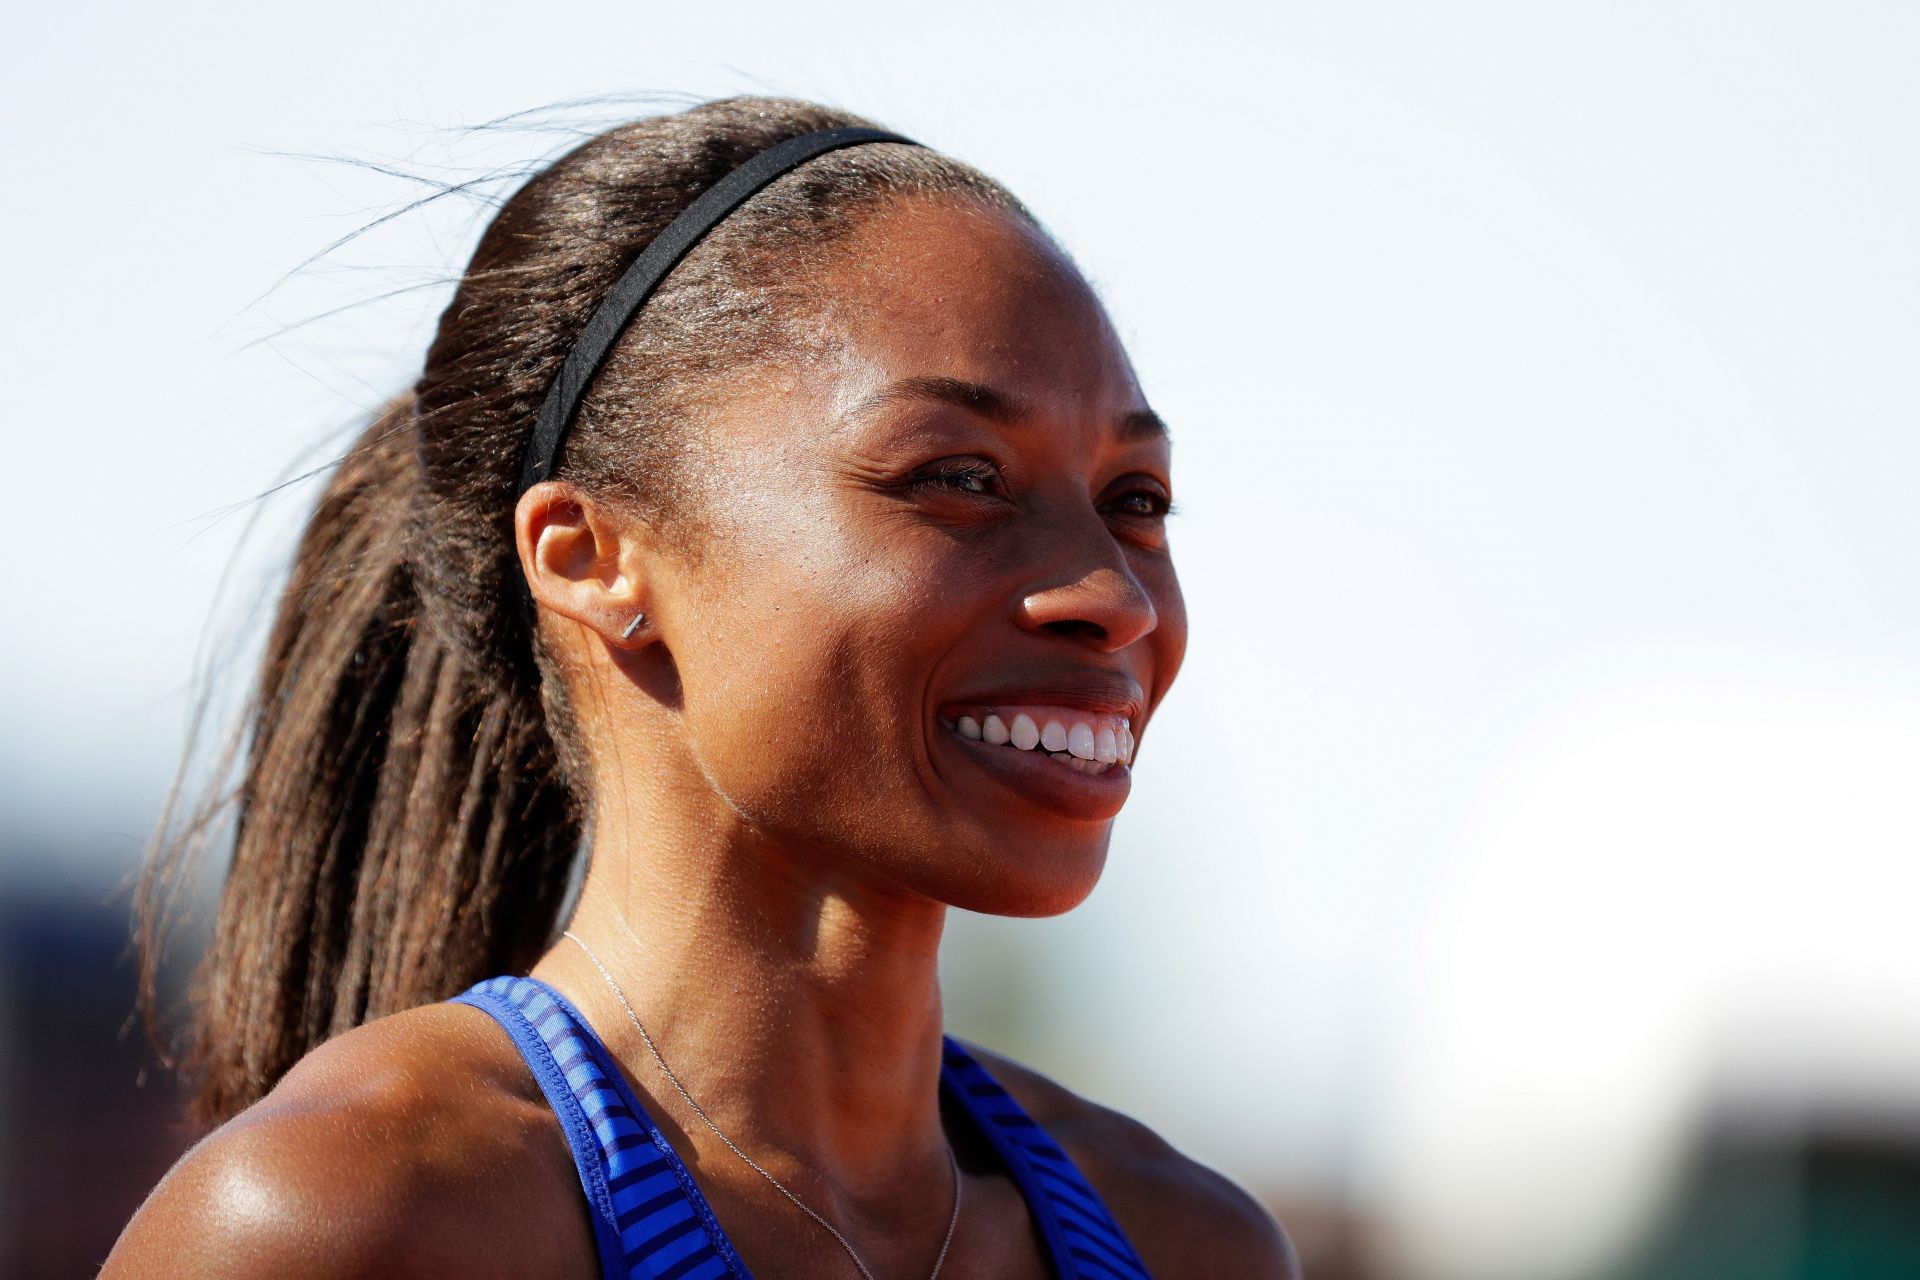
(1096, 598)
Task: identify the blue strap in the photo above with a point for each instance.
(510, 1013)
(1083, 1240)
(650, 1219)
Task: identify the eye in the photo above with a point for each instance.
(957, 475)
(1142, 503)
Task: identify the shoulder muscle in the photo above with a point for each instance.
(359, 1163)
(1184, 1218)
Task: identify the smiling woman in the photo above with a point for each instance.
(850, 602)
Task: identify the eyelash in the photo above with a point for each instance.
(946, 477)
(954, 478)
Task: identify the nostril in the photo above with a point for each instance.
(1105, 607)
(1079, 628)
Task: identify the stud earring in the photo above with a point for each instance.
(633, 626)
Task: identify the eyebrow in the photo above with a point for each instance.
(1141, 424)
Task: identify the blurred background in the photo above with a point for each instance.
(1519, 882)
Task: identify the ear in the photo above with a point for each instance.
(583, 560)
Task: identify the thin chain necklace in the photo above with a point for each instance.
(953, 1219)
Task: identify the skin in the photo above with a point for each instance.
(782, 816)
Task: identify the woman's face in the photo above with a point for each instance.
(944, 533)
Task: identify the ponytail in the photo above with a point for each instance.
(401, 829)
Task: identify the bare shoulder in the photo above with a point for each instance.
(413, 1145)
(1184, 1218)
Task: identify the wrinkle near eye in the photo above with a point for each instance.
(894, 450)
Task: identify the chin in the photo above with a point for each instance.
(1058, 878)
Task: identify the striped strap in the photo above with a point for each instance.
(650, 1220)
(1081, 1235)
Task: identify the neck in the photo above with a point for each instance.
(797, 1003)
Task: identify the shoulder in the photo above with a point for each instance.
(1184, 1218)
(414, 1145)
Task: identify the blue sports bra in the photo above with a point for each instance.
(650, 1219)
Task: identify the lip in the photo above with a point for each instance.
(1030, 776)
(1085, 689)
(1034, 777)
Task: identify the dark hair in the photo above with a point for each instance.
(412, 784)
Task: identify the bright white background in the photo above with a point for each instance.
(1547, 760)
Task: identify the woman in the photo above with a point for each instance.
(836, 595)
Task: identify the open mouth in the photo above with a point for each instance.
(1087, 742)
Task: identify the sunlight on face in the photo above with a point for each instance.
(957, 514)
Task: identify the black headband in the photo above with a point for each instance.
(660, 256)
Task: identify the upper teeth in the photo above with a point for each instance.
(1084, 735)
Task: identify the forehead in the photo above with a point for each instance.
(960, 291)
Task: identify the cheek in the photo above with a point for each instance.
(1168, 640)
(804, 693)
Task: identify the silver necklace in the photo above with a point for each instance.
(953, 1219)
